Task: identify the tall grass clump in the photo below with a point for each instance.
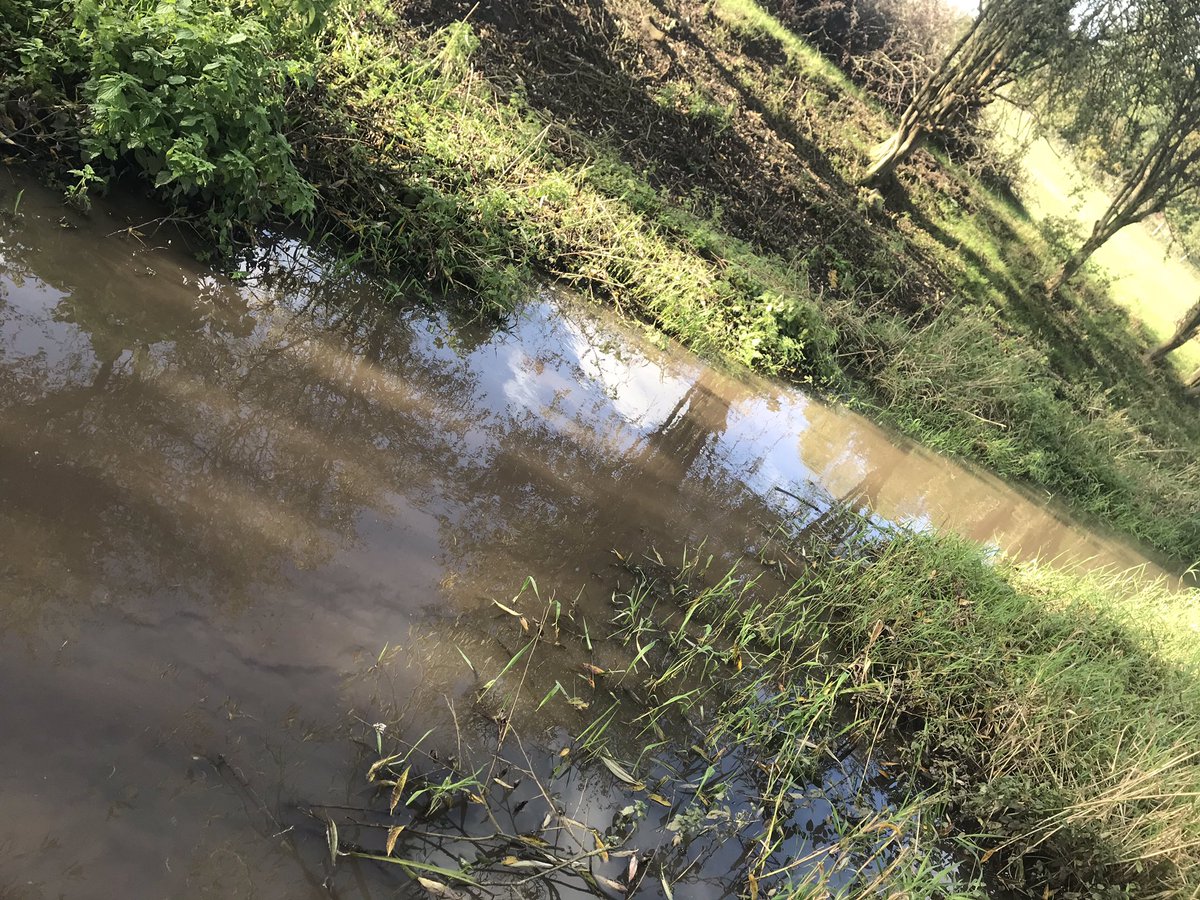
(1053, 714)
(968, 391)
(900, 715)
(1057, 710)
(715, 753)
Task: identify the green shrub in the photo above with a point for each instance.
(190, 93)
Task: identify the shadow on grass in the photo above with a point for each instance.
(604, 67)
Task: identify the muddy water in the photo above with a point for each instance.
(238, 515)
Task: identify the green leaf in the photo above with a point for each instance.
(512, 662)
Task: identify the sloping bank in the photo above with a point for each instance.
(995, 731)
(391, 144)
(1059, 714)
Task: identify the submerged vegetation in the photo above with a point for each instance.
(905, 718)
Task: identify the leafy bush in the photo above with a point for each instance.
(189, 92)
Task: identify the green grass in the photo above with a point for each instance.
(1056, 710)
(1053, 715)
(748, 19)
(1029, 731)
(479, 194)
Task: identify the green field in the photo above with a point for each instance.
(1147, 276)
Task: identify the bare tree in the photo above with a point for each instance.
(1008, 38)
(1192, 383)
(1184, 332)
(1159, 124)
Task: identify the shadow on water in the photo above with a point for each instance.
(240, 514)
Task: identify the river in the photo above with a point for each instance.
(244, 518)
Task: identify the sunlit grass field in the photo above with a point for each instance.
(1148, 277)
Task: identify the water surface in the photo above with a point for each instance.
(242, 517)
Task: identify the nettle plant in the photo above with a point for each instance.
(192, 91)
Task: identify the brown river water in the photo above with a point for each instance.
(241, 518)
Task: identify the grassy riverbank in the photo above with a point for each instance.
(895, 716)
(1050, 715)
(694, 170)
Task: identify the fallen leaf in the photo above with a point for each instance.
(398, 790)
(374, 770)
(436, 887)
(331, 836)
(601, 846)
(620, 773)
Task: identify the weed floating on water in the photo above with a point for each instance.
(899, 717)
(701, 761)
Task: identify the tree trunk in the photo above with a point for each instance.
(1184, 332)
(1074, 263)
(976, 61)
(1165, 171)
(895, 150)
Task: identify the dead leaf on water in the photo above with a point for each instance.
(601, 846)
(620, 773)
(331, 836)
(436, 887)
(374, 770)
(398, 790)
(393, 833)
